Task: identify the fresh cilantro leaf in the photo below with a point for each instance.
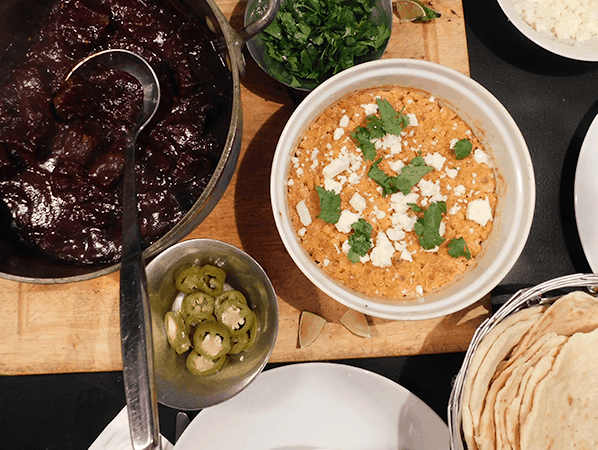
(415, 207)
(389, 122)
(393, 122)
(383, 180)
(363, 138)
(404, 181)
(411, 174)
(360, 241)
(330, 205)
(427, 227)
(462, 148)
(457, 247)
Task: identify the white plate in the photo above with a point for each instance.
(586, 195)
(313, 406)
(581, 50)
(116, 435)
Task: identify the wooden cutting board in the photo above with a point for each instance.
(75, 327)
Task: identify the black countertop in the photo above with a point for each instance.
(552, 99)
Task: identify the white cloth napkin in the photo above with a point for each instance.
(116, 435)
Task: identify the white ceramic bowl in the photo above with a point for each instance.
(581, 50)
(491, 123)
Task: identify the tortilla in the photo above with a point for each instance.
(533, 380)
(492, 349)
(564, 412)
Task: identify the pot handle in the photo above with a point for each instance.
(254, 28)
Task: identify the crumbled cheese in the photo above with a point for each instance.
(325, 262)
(395, 234)
(479, 211)
(396, 165)
(333, 185)
(419, 290)
(431, 190)
(301, 231)
(338, 133)
(435, 160)
(336, 166)
(290, 182)
(303, 211)
(358, 202)
(460, 190)
(454, 210)
(412, 120)
(481, 157)
(344, 122)
(452, 173)
(453, 141)
(370, 108)
(391, 142)
(571, 19)
(382, 253)
(346, 219)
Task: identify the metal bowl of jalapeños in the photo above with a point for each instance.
(176, 385)
(24, 260)
(311, 40)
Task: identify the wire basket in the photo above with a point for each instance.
(522, 299)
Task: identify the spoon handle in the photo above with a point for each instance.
(135, 323)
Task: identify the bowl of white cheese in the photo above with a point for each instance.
(403, 189)
(567, 29)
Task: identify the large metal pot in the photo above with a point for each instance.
(18, 19)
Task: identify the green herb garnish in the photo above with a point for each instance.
(427, 227)
(462, 148)
(330, 205)
(315, 39)
(410, 175)
(390, 121)
(430, 13)
(360, 241)
(457, 247)
(415, 207)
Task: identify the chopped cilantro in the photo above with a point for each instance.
(364, 142)
(457, 247)
(427, 227)
(390, 121)
(360, 241)
(411, 174)
(311, 40)
(383, 180)
(330, 205)
(393, 122)
(462, 149)
(415, 207)
(404, 181)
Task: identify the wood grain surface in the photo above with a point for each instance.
(75, 327)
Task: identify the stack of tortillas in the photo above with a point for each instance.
(533, 380)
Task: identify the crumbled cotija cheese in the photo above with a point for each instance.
(564, 19)
(396, 266)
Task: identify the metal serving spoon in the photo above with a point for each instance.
(135, 320)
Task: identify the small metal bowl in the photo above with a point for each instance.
(381, 14)
(175, 385)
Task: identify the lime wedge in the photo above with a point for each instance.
(310, 327)
(413, 11)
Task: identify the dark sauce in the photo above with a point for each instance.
(61, 149)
